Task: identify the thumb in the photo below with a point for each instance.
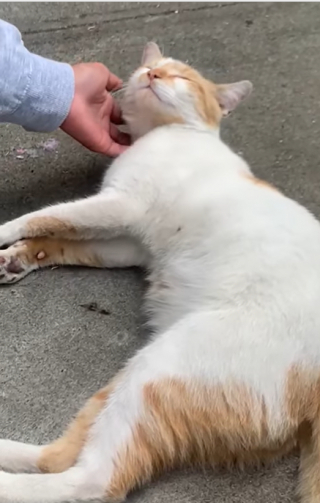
(109, 147)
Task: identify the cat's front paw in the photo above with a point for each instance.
(12, 266)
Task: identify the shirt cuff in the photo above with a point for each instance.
(48, 95)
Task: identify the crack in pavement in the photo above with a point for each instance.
(129, 18)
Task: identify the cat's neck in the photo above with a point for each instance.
(199, 128)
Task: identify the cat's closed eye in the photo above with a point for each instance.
(180, 77)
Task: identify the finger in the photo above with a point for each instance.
(113, 83)
(109, 147)
(115, 149)
(119, 136)
(116, 114)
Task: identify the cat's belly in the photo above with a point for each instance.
(279, 283)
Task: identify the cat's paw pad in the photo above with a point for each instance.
(12, 268)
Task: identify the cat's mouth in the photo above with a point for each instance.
(152, 90)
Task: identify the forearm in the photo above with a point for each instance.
(35, 92)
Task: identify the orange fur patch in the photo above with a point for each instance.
(196, 425)
(260, 183)
(49, 226)
(303, 395)
(64, 452)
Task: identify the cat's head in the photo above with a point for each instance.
(166, 91)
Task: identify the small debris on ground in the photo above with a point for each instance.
(50, 145)
(93, 306)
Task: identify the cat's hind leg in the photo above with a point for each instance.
(30, 254)
(95, 447)
(167, 408)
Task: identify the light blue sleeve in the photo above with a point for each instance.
(35, 92)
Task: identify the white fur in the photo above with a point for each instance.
(51, 488)
(234, 269)
(18, 457)
(241, 267)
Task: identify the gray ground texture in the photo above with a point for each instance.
(54, 352)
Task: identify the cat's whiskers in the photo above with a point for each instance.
(118, 92)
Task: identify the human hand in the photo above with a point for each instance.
(94, 115)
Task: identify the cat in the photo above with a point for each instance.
(232, 371)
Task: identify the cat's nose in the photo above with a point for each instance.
(153, 74)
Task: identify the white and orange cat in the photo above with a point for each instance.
(232, 372)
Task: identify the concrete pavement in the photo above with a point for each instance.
(54, 352)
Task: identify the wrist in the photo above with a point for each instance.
(50, 94)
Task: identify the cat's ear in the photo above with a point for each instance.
(230, 95)
(150, 54)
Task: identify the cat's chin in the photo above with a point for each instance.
(154, 93)
(148, 93)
